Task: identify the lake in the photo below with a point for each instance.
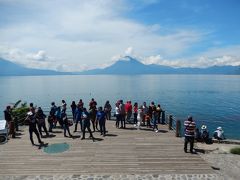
(210, 99)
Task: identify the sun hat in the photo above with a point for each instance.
(204, 127)
(219, 128)
(29, 113)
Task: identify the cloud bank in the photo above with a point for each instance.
(81, 35)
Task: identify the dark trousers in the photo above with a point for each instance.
(66, 129)
(118, 119)
(32, 128)
(102, 127)
(86, 125)
(40, 126)
(135, 118)
(80, 122)
(188, 139)
(108, 115)
(123, 121)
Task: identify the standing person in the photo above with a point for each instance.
(73, 107)
(64, 106)
(32, 126)
(58, 117)
(108, 109)
(52, 116)
(66, 125)
(135, 112)
(32, 108)
(145, 112)
(123, 114)
(118, 115)
(8, 118)
(140, 117)
(78, 118)
(40, 117)
(154, 118)
(159, 111)
(190, 126)
(81, 103)
(92, 104)
(86, 124)
(128, 108)
(101, 117)
(92, 116)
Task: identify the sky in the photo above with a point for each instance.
(77, 35)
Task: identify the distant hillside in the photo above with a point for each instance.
(8, 68)
(131, 66)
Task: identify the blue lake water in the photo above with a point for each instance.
(210, 99)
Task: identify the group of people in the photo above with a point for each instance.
(142, 115)
(192, 133)
(84, 117)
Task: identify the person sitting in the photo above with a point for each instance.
(204, 134)
(219, 134)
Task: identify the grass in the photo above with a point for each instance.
(235, 150)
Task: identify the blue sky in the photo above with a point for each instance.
(74, 35)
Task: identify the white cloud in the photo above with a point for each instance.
(80, 32)
(80, 35)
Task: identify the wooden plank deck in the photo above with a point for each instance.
(122, 151)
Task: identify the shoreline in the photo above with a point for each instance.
(218, 156)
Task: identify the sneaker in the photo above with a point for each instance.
(156, 131)
(82, 138)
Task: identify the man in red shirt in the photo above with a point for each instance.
(190, 126)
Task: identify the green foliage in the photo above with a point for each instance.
(235, 150)
(19, 112)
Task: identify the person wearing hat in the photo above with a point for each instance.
(32, 126)
(219, 134)
(204, 134)
(190, 126)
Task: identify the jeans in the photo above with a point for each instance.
(102, 127)
(66, 128)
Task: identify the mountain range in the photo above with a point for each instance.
(131, 66)
(8, 68)
(124, 66)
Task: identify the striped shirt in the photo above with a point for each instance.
(189, 128)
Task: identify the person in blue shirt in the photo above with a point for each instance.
(101, 117)
(86, 124)
(78, 118)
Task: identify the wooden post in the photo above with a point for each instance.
(170, 120)
(163, 117)
(178, 128)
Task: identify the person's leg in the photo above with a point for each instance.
(40, 129)
(101, 127)
(185, 144)
(124, 121)
(104, 128)
(191, 144)
(45, 129)
(30, 135)
(37, 134)
(93, 124)
(65, 129)
(76, 123)
(68, 130)
(83, 130)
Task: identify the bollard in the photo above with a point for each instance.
(170, 120)
(178, 128)
(163, 117)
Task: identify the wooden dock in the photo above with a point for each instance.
(122, 151)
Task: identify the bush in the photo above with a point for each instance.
(235, 150)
